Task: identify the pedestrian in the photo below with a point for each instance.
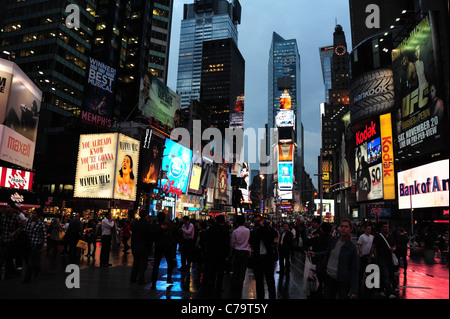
(20, 243)
(285, 247)
(187, 244)
(108, 227)
(216, 253)
(65, 226)
(320, 243)
(53, 236)
(35, 235)
(9, 229)
(90, 233)
(401, 247)
(125, 234)
(141, 243)
(262, 242)
(342, 264)
(364, 245)
(74, 233)
(163, 233)
(382, 248)
(240, 250)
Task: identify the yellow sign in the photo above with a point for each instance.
(387, 156)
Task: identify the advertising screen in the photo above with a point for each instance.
(99, 98)
(127, 168)
(424, 186)
(107, 167)
(368, 167)
(14, 178)
(96, 166)
(151, 157)
(194, 184)
(237, 113)
(285, 118)
(176, 163)
(20, 104)
(285, 176)
(421, 123)
(286, 152)
(159, 102)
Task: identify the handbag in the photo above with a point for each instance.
(82, 244)
(394, 257)
(310, 280)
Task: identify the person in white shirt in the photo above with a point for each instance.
(240, 249)
(187, 245)
(364, 246)
(107, 227)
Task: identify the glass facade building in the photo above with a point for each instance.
(202, 21)
(326, 60)
(284, 62)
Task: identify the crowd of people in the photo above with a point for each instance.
(340, 252)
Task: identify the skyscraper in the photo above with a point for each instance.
(203, 20)
(326, 60)
(284, 77)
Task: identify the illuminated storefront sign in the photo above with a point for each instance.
(424, 186)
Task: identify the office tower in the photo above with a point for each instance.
(223, 80)
(203, 20)
(326, 60)
(134, 37)
(338, 103)
(284, 80)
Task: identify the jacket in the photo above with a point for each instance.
(288, 242)
(348, 262)
(267, 235)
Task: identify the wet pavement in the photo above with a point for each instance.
(422, 281)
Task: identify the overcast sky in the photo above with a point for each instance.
(312, 24)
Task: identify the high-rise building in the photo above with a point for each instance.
(204, 20)
(284, 80)
(326, 60)
(223, 77)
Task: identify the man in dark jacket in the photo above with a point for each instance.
(342, 266)
(262, 241)
(140, 246)
(216, 252)
(164, 234)
(285, 246)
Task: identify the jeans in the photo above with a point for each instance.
(106, 249)
(334, 287)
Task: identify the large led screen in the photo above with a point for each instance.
(176, 163)
(285, 176)
(424, 186)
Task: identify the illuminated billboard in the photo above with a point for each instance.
(20, 104)
(424, 186)
(286, 152)
(152, 151)
(107, 167)
(285, 118)
(176, 164)
(237, 113)
(285, 101)
(99, 94)
(194, 183)
(285, 176)
(14, 178)
(422, 114)
(158, 101)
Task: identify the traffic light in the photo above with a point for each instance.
(315, 194)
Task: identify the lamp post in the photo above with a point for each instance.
(261, 179)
